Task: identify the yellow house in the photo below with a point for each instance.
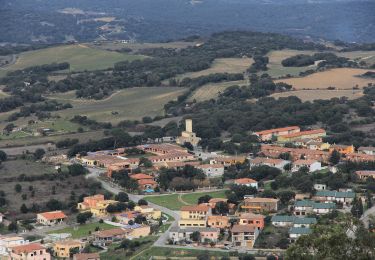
(64, 248)
(148, 211)
(100, 209)
(194, 216)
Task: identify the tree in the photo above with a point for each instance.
(83, 217)
(24, 209)
(54, 204)
(122, 197)
(145, 162)
(13, 226)
(334, 157)
(204, 199)
(3, 156)
(357, 207)
(286, 196)
(369, 199)
(18, 188)
(76, 169)
(39, 153)
(142, 202)
(195, 236)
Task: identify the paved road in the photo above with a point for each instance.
(161, 241)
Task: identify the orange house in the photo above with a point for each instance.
(145, 181)
(256, 220)
(218, 222)
(343, 149)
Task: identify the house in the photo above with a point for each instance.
(209, 234)
(363, 175)
(246, 182)
(305, 207)
(100, 160)
(127, 216)
(244, 236)
(221, 222)
(343, 149)
(360, 157)
(178, 165)
(6, 242)
(345, 197)
(276, 163)
(96, 204)
(86, 256)
(188, 136)
(161, 149)
(106, 237)
(304, 222)
(212, 170)
(148, 212)
(51, 218)
(274, 151)
(311, 165)
(282, 220)
(145, 181)
(64, 248)
(315, 145)
(194, 215)
(296, 232)
(228, 160)
(256, 220)
(268, 135)
(320, 186)
(316, 134)
(177, 234)
(367, 150)
(260, 204)
(34, 251)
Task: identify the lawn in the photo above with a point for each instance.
(83, 230)
(176, 252)
(176, 201)
(79, 56)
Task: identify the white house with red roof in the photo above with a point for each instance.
(247, 182)
(51, 218)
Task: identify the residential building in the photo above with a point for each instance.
(318, 186)
(228, 160)
(311, 165)
(276, 163)
(100, 210)
(6, 242)
(96, 204)
(221, 222)
(178, 165)
(212, 170)
(138, 230)
(311, 134)
(367, 150)
(209, 234)
(268, 135)
(274, 151)
(305, 207)
(188, 136)
(244, 236)
(177, 234)
(363, 175)
(86, 256)
(296, 232)
(282, 220)
(90, 201)
(246, 182)
(343, 149)
(162, 149)
(345, 197)
(127, 216)
(51, 218)
(64, 248)
(256, 220)
(32, 251)
(101, 160)
(145, 181)
(360, 157)
(304, 222)
(260, 204)
(106, 237)
(148, 212)
(194, 216)
(315, 145)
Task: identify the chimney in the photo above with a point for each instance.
(189, 125)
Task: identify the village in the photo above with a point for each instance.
(253, 210)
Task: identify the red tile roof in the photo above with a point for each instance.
(53, 215)
(146, 181)
(309, 132)
(242, 228)
(304, 162)
(141, 176)
(27, 248)
(270, 131)
(195, 208)
(244, 181)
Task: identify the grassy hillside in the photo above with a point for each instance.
(79, 56)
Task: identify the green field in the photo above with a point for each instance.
(176, 201)
(79, 56)
(131, 103)
(83, 230)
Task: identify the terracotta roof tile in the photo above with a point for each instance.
(53, 215)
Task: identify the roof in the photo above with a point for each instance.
(112, 232)
(27, 248)
(305, 221)
(200, 207)
(282, 218)
(242, 228)
(245, 181)
(68, 242)
(340, 146)
(262, 160)
(216, 200)
(217, 218)
(53, 215)
(308, 132)
(270, 131)
(251, 216)
(318, 205)
(304, 162)
(336, 194)
(86, 256)
(181, 164)
(368, 148)
(300, 231)
(304, 203)
(140, 176)
(365, 173)
(193, 229)
(207, 166)
(146, 181)
(261, 200)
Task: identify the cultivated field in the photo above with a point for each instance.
(79, 56)
(310, 95)
(212, 90)
(342, 78)
(229, 65)
(132, 103)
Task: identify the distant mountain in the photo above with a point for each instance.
(25, 21)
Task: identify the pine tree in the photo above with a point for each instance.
(24, 209)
